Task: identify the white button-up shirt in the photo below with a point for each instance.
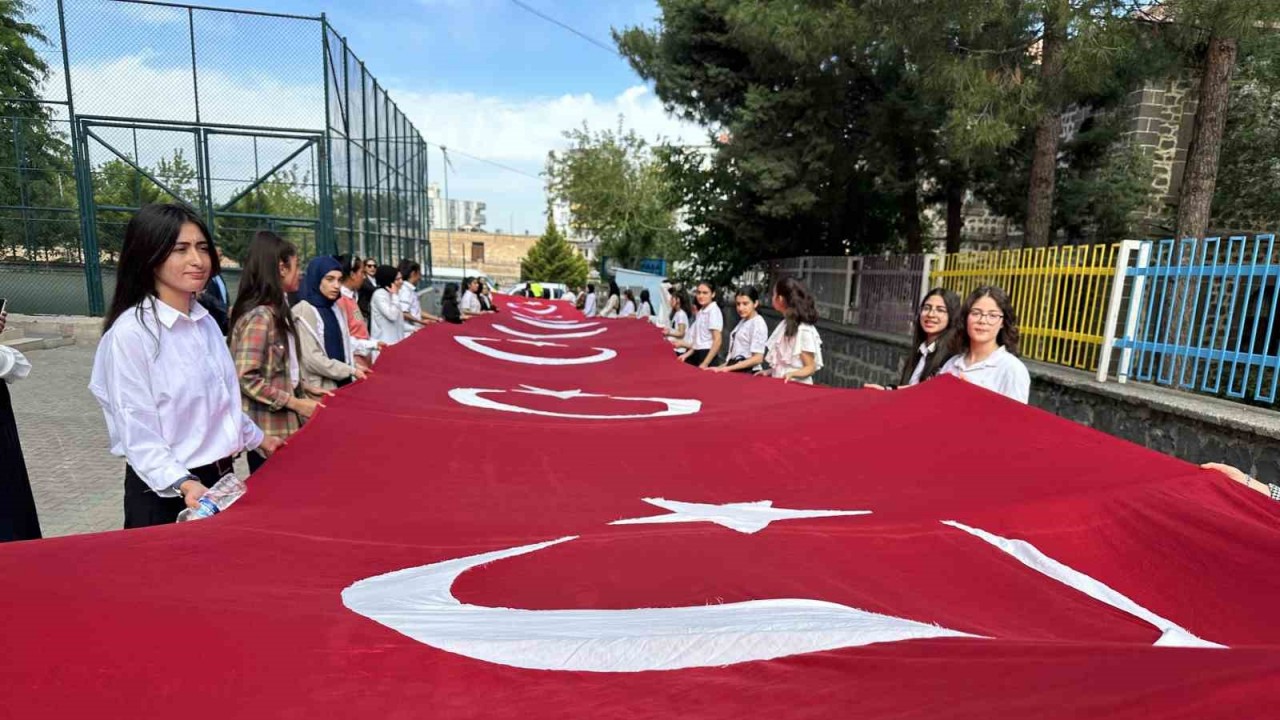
(387, 323)
(470, 303)
(748, 338)
(708, 318)
(1000, 372)
(169, 393)
(926, 349)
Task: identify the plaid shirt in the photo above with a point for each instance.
(262, 364)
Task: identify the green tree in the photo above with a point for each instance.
(553, 259)
(619, 193)
(281, 200)
(117, 183)
(1247, 194)
(35, 161)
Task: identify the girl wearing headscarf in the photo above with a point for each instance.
(324, 339)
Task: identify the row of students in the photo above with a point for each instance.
(793, 351)
(179, 400)
(976, 341)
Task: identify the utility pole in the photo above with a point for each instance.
(448, 208)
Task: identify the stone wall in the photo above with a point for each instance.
(1191, 427)
(1161, 116)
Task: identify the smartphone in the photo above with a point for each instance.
(3, 303)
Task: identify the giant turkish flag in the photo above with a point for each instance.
(538, 515)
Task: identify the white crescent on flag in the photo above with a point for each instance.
(474, 397)
(552, 336)
(475, 344)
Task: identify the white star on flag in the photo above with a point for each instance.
(744, 517)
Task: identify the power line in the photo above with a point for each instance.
(487, 161)
(603, 46)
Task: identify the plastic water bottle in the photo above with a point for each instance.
(226, 491)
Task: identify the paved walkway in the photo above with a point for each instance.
(78, 484)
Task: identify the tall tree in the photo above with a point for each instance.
(616, 186)
(1247, 194)
(553, 259)
(35, 161)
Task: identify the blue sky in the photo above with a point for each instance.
(482, 76)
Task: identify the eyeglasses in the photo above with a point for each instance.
(933, 309)
(991, 317)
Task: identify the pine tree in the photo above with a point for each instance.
(552, 259)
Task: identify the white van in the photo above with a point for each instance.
(557, 289)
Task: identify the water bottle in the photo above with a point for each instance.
(226, 491)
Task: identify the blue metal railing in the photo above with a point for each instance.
(1202, 316)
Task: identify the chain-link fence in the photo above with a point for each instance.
(257, 120)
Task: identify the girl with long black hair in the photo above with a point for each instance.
(794, 350)
(935, 334)
(449, 308)
(162, 373)
(680, 308)
(747, 342)
(644, 308)
(612, 305)
(706, 335)
(264, 341)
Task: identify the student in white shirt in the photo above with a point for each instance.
(387, 317)
(988, 354)
(470, 304)
(414, 316)
(644, 308)
(679, 316)
(749, 338)
(794, 350)
(162, 372)
(589, 302)
(613, 304)
(705, 337)
(570, 296)
(628, 304)
(935, 333)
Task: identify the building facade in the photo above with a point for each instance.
(454, 214)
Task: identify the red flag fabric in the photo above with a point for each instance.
(535, 514)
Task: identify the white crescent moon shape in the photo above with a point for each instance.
(553, 336)
(473, 397)
(419, 602)
(474, 344)
(556, 324)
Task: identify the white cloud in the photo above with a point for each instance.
(525, 130)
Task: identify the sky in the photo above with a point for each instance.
(483, 77)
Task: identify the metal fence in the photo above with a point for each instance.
(1199, 316)
(872, 292)
(1059, 293)
(258, 120)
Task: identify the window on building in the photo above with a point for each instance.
(477, 252)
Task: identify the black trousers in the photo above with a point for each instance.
(18, 519)
(255, 461)
(695, 358)
(144, 508)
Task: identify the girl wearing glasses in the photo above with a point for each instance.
(989, 346)
(794, 350)
(935, 333)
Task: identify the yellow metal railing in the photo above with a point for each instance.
(1060, 295)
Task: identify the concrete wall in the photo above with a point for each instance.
(1191, 427)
